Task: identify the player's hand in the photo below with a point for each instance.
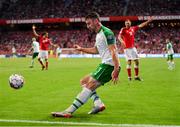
(123, 44)
(115, 75)
(151, 18)
(33, 27)
(77, 47)
(55, 45)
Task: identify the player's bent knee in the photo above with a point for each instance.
(91, 87)
(84, 80)
(81, 82)
(136, 62)
(129, 62)
(92, 84)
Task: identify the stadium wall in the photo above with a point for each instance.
(82, 19)
(120, 56)
(177, 55)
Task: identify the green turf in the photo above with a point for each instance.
(156, 100)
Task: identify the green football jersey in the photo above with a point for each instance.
(104, 38)
(169, 48)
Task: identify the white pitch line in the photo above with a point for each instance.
(85, 124)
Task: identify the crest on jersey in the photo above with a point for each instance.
(110, 37)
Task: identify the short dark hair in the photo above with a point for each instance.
(44, 33)
(92, 15)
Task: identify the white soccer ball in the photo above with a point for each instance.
(16, 81)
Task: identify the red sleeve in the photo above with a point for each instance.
(136, 28)
(49, 41)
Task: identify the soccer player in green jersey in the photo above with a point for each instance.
(35, 48)
(108, 70)
(170, 52)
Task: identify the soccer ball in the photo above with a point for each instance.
(16, 81)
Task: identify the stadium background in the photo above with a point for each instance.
(64, 21)
(155, 101)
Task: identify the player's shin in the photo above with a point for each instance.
(32, 62)
(82, 98)
(96, 99)
(40, 61)
(169, 63)
(136, 69)
(172, 64)
(128, 67)
(46, 65)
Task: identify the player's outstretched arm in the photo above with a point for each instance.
(30, 50)
(34, 31)
(146, 23)
(114, 54)
(92, 50)
(54, 45)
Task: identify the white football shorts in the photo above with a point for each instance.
(131, 54)
(43, 54)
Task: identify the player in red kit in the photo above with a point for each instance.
(44, 46)
(126, 37)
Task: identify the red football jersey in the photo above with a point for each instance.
(44, 42)
(128, 36)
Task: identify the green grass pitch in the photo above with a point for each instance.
(156, 100)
